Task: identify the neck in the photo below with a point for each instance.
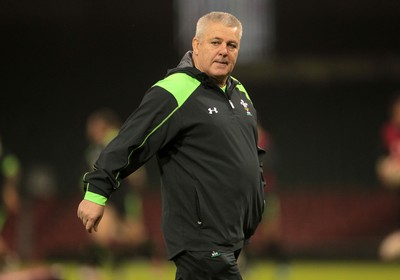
(220, 83)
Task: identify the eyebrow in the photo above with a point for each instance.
(221, 39)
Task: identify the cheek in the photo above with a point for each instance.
(210, 55)
(234, 57)
(207, 60)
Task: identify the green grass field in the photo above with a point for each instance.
(297, 270)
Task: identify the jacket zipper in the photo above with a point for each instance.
(227, 97)
(230, 102)
(198, 209)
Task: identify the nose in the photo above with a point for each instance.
(223, 50)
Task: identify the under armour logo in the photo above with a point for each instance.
(212, 110)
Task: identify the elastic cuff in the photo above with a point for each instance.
(96, 198)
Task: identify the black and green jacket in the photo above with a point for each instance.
(205, 141)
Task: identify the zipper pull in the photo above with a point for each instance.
(230, 102)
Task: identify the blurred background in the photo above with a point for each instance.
(323, 76)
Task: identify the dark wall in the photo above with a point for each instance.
(338, 26)
(62, 60)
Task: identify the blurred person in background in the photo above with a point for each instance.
(125, 211)
(388, 170)
(11, 267)
(271, 229)
(269, 240)
(388, 166)
(122, 230)
(9, 181)
(202, 125)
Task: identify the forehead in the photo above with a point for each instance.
(218, 30)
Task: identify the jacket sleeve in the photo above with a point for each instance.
(151, 126)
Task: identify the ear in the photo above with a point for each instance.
(195, 46)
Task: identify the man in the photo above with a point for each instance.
(388, 171)
(201, 124)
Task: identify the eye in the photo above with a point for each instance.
(232, 46)
(215, 43)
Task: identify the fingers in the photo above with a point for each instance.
(85, 221)
(90, 214)
(89, 226)
(92, 225)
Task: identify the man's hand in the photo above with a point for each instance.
(90, 214)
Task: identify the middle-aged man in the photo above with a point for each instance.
(201, 124)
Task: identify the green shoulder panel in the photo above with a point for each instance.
(180, 85)
(242, 89)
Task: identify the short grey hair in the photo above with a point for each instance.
(226, 19)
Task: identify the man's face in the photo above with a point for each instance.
(215, 53)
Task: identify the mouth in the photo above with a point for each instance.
(221, 62)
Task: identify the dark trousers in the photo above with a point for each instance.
(207, 266)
